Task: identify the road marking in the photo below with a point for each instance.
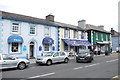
(115, 77)
(87, 66)
(42, 75)
(92, 65)
(112, 60)
(78, 68)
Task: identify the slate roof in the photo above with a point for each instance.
(96, 28)
(68, 26)
(8, 15)
(116, 33)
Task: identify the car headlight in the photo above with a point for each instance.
(76, 55)
(87, 54)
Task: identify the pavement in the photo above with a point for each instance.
(32, 61)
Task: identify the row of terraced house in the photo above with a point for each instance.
(29, 37)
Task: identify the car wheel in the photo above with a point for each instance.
(22, 66)
(66, 60)
(49, 62)
(90, 61)
(77, 61)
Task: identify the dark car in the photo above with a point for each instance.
(84, 56)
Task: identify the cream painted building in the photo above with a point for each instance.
(72, 38)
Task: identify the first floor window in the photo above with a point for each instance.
(96, 36)
(15, 27)
(15, 47)
(32, 30)
(46, 47)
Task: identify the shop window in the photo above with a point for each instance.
(46, 47)
(15, 28)
(15, 47)
(47, 31)
(32, 30)
(65, 47)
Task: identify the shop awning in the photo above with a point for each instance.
(15, 38)
(73, 42)
(48, 40)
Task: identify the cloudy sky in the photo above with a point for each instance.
(95, 12)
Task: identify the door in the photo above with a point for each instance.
(56, 57)
(9, 61)
(32, 49)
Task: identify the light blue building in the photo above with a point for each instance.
(115, 40)
(27, 37)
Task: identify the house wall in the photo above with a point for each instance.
(1, 35)
(114, 43)
(24, 33)
(61, 36)
(105, 39)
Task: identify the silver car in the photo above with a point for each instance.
(52, 57)
(8, 61)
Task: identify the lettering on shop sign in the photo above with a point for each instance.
(17, 40)
(24, 48)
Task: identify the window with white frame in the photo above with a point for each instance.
(32, 30)
(66, 33)
(102, 37)
(106, 37)
(75, 34)
(15, 27)
(83, 35)
(14, 47)
(46, 47)
(96, 36)
(47, 31)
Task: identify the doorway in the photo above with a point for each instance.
(32, 49)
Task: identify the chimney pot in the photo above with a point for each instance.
(82, 24)
(50, 17)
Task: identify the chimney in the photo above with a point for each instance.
(50, 18)
(112, 31)
(101, 26)
(82, 24)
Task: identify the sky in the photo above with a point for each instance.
(95, 12)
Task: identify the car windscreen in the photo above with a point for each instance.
(48, 54)
(83, 51)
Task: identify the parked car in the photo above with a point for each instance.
(8, 61)
(84, 56)
(52, 57)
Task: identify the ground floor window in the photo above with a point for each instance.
(65, 47)
(46, 47)
(14, 47)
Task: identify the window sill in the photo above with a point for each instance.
(15, 53)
